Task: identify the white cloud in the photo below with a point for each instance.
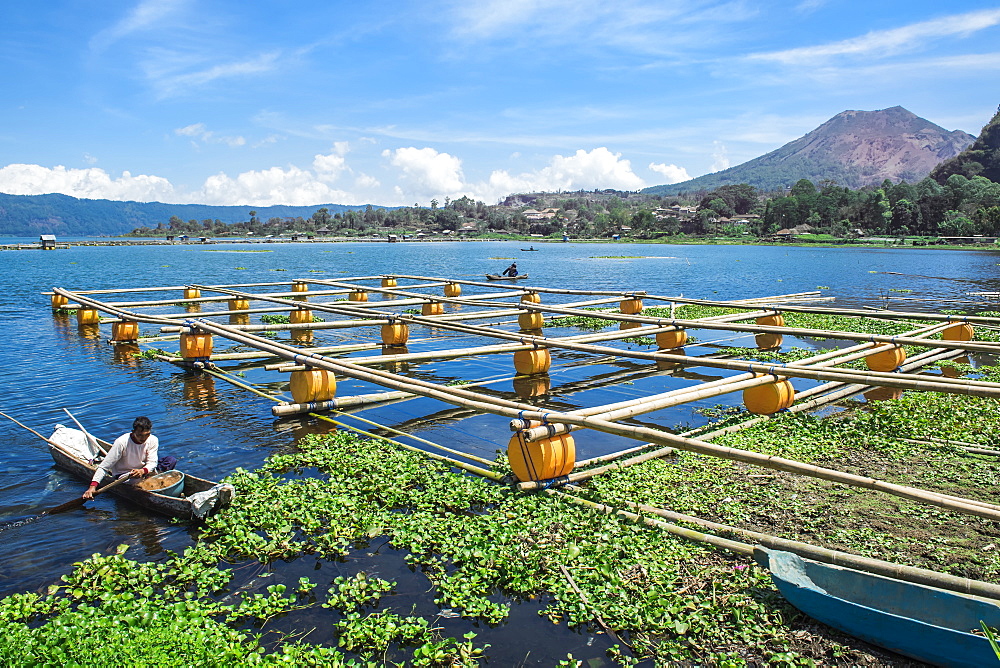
(598, 168)
(144, 16)
(429, 173)
(91, 183)
(720, 157)
(89, 159)
(884, 43)
(672, 173)
(329, 167)
(364, 181)
(199, 131)
(172, 75)
(266, 187)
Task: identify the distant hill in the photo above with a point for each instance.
(854, 149)
(29, 215)
(980, 159)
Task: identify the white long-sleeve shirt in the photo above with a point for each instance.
(126, 455)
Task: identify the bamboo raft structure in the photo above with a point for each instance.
(542, 450)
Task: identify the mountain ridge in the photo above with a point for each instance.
(854, 149)
(29, 215)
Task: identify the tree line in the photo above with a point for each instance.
(960, 206)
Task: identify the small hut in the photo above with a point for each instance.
(47, 241)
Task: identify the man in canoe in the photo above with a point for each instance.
(511, 270)
(134, 453)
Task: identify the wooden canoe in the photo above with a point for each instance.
(498, 277)
(166, 505)
(920, 622)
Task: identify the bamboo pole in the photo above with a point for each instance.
(477, 401)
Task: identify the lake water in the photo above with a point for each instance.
(212, 427)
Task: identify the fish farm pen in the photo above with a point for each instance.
(548, 389)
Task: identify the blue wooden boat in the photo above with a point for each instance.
(920, 622)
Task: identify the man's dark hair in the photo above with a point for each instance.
(142, 423)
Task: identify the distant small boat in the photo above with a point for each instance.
(530, 249)
(498, 277)
(923, 623)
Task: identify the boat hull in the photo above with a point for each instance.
(167, 505)
(498, 277)
(923, 623)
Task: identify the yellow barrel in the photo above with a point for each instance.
(432, 308)
(769, 398)
(963, 332)
(300, 316)
(388, 282)
(452, 290)
(395, 333)
(313, 385)
(529, 387)
(531, 298)
(776, 320)
(192, 293)
(59, 301)
(358, 296)
(768, 341)
(541, 460)
(239, 304)
(530, 320)
(196, 345)
(126, 330)
(630, 306)
(887, 359)
(299, 286)
(88, 316)
(670, 340)
(537, 360)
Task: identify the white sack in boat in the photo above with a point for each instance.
(203, 502)
(75, 441)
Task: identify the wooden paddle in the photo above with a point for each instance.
(77, 502)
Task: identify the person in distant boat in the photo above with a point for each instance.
(511, 270)
(134, 453)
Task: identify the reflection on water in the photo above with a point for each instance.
(883, 394)
(768, 341)
(530, 387)
(239, 319)
(125, 353)
(89, 331)
(199, 390)
(302, 336)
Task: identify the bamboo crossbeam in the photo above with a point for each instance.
(860, 313)
(281, 410)
(479, 402)
(834, 392)
(972, 346)
(642, 405)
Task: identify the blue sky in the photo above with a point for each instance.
(394, 103)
